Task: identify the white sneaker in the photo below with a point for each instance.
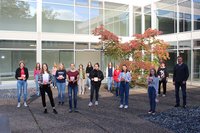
(89, 88)
(25, 105)
(126, 106)
(90, 104)
(96, 103)
(121, 106)
(163, 95)
(18, 105)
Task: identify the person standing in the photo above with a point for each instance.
(180, 76)
(96, 77)
(81, 81)
(89, 68)
(116, 80)
(36, 77)
(61, 83)
(163, 76)
(153, 83)
(53, 72)
(45, 80)
(109, 75)
(21, 74)
(125, 79)
(72, 77)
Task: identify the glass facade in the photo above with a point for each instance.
(61, 30)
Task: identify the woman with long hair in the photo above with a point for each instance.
(81, 81)
(153, 83)
(22, 75)
(53, 72)
(125, 79)
(45, 80)
(61, 83)
(37, 72)
(116, 80)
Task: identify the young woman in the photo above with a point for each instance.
(125, 79)
(163, 75)
(45, 82)
(96, 77)
(153, 82)
(81, 81)
(36, 77)
(72, 77)
(89, 68)
(61, 83)
(109, 76)
(53, 71)
(21, 75)
(116, 80)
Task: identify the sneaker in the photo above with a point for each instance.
(54, 111)
(25, 105)
(59, 103)
(45, 111)
(76, 110)
(38, 94)
(153, 112)
(70, 110)
(62, 103)
(121, 106)
(149, 112)
(163, 95)
(18, 105)
(177, 105)
(126, 106)
(89, 88)
(96, 103)
(90, 104)
(184, 106)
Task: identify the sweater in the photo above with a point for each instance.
(61, 73)
(181, 73)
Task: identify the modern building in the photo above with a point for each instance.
(61, 30)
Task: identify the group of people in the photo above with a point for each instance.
(75, 81)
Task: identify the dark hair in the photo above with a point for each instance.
(43, 68)
(20, 62)
(36, 66)
(97, 64)
(155, 74)
(179, 57)
(126, 68)
(89, 63)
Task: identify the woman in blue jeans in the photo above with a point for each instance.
(61, 83)
(153, 84)
(22, 75)
(125, 79)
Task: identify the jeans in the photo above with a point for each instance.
(152, 98)
(183, 88)
(36, 84)
(21, 86)
(47, 89)
(164, 84)
(117, 86)
(72, 93)
(124, 90)
(95, 88)
(61, 91)
(54, 80)
(109, 81)
(81, 86)
(88, 82)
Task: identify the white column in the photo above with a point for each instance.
(131, 20)
(177, 14)
(153, 16)
(39, 32)
(192, 41)
(143, 19)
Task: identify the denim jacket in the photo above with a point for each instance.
(126, 76)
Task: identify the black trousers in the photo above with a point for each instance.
(183, 89)
(47, 89)
(164, 85)
(94, 88)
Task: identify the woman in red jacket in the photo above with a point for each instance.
(116, 80)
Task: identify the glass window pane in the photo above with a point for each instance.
(138, 23)
(82, 20)
(184, 44)
(95, 3)
(196, 67)
(116, 6)
(17, 15)
(197, 43)
(57, 45)
(71, 2)
(57, 18)
(196, 15)
(17, 44)
(82, 2)
(81, 46)
(96, 18)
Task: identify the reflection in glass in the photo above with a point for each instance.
(96, 18)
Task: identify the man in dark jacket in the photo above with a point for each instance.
(180, 76)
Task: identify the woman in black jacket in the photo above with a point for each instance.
(21, 75)
(96, 76)
(45, 80)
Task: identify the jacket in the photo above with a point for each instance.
(18, 73)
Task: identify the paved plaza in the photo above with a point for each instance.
(104, 118)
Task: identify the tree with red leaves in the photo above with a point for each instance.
(145, 49)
